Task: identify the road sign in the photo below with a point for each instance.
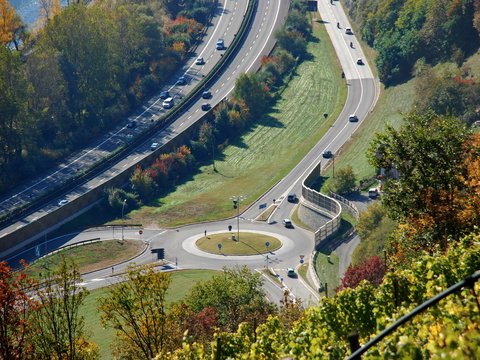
(262, 206)
(140, 232)
(219, 246)
(302, 256)
(267, 244)
(302, 261)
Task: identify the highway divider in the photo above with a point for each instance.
(102, 165)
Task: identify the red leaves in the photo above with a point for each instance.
(372, 270)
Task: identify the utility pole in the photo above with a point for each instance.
(237, 200)
(123, 222)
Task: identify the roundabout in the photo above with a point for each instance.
(249, 243)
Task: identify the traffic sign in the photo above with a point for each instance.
(302, 261)
(267, 244)
(219, 246)
(140, 232)
(302, 256)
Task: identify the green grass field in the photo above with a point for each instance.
(261, 157)
(327, 271)
(182, 282)
(90, 257)
(249, 244)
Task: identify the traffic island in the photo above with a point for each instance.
(229, 243)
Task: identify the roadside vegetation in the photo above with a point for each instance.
(83, 72)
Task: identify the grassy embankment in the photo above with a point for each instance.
(262, 156)
(89, 257)
(182, 282)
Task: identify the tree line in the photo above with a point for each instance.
(403, 32)
(82, 72)
(253, 95)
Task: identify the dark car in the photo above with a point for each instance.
(206, 95)
(131, 124)
(206, 106)
(359, 61)
(291, 197)
(353, 118)
(327, 154)
(182, 80)
(164, 94)
(291, 273)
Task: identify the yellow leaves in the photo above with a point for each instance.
(9, 23)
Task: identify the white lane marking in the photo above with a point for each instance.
(135, 158)
(124, 166)
(181, 124)
(141, 114)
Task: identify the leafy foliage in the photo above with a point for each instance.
(451, 329)
(403, 31)
(372, 270)
(344, 181)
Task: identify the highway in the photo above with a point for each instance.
(270, 15)
(179, 243)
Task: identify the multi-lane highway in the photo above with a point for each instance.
(269, 15)
(179, 243)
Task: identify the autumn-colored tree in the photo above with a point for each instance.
(136, 308)
(371, 270)
(49, 9)
(15, 306)
(59, 326)
(10, 24)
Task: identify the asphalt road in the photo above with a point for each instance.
(362, 94)
(268, 17)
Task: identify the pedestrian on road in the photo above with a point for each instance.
(113, 269)
(205, 233)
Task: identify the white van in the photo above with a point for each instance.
(168, 103)
(372, 193)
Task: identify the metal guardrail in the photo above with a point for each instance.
(161, 123)
(467, 282)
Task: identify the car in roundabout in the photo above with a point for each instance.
(287, 223)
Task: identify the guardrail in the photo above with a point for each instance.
(349, 205)
(160, 124)
(325, 203)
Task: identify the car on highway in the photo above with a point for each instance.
(131, 124)
(348, 31)
(292, 197)
(359, 61)
(168, 103)
(353, 118)
(206, 95)
(327, 154)
(206, 106)
(153, 146)
(291, 273)
(199, 61)
(62, 202)
(287, 223)
(182, 80)
(164, 94)
(220, 44)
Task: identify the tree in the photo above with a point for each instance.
(136, 308)
(372, 270)
(10, 24)
(237, 296)
(249, 89)
(15, 306)
(344, 181)
(143, 184)
(59, 327)
(428, 153)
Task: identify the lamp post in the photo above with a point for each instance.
(123, 207)
(237, 200)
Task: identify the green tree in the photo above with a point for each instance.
(249, 89)
(237, 296)
(13, 112)
(136, 308)
(427, 152)
(59, 327)
(344, 181)
(143, 184)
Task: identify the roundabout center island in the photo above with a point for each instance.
(229, 243)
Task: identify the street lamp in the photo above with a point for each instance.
(237, 200)
(123, 223)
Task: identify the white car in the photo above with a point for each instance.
(153, 146)
(199, 61)
(287, 223)
(62, 202)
